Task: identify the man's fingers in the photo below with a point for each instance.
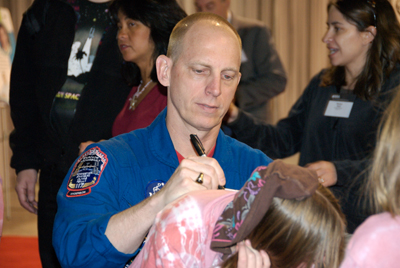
(209, 167)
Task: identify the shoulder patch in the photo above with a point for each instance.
(86, 172)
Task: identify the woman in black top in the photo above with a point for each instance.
(333, 124)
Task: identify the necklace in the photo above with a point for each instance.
(135, 97)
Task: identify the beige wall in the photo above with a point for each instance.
(17, 8)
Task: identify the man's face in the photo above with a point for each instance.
(204, 78)
(218, 7)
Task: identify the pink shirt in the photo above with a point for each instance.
(145, 112)
(375, 243)
(182, 231)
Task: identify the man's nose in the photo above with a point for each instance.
(214, 86)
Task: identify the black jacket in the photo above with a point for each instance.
(40, 69)
(347, 142)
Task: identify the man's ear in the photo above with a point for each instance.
(163, 66)
(240, 76)
(369, 34)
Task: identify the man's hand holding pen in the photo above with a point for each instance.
(198, 146)
(184, 178)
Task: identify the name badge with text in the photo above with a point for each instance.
(337, 107)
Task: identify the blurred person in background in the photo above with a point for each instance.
(66, 88)
(5, 63)
(333, 124)
(263, 75)
(142, 37)
(376, 242)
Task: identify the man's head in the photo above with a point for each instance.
(182, 27)
(201, 71)
(218, 7)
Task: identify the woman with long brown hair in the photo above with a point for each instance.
(333, 124)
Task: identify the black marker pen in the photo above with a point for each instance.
(196, 142)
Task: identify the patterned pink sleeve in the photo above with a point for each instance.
(182, 232)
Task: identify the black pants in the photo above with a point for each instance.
(50, 181)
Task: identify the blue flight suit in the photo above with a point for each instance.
(114, 175)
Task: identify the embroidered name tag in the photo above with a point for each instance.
(86, 172)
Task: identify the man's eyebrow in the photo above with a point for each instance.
(199, 63)
(231, 69)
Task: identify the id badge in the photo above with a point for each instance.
(338, 107)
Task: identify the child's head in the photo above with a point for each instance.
(300, 233)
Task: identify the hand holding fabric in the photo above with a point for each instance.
(326, 172)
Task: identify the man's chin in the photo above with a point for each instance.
(207, 125)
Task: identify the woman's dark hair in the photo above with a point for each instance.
(384, 53)
(160, 16)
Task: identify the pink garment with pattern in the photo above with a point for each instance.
(182, 232)
(375, 244)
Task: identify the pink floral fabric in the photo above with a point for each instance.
(185, 231)
(182, 232)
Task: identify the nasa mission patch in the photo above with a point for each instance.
(86, 172)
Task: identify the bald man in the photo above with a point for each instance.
(112, 193)
(263, 75)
